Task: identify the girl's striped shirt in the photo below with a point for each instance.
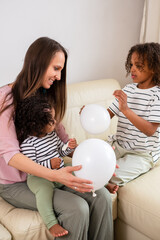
(146, 104)
(42, 150)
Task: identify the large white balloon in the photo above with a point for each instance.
(98, 161)
(95, 119)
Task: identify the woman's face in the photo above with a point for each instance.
(53, 71)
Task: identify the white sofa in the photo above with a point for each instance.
(136, 207)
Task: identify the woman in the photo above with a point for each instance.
(44, 72)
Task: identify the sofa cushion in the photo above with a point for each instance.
(4, 234)
(139, 203)
(125, 232)
(27, 224)
(114, 205)
(23, 223)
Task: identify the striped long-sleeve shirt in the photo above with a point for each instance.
(146, 104)
(42, 150)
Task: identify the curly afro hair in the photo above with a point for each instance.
(31, 116)
(149, 52)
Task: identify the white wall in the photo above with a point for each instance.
(96, 33)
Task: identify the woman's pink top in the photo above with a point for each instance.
(9, 144)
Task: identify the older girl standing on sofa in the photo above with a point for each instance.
(44, 72)
(137, 106)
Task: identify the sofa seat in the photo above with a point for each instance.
(22, 223)
(139, 208)
(4, 234)
(27, 224)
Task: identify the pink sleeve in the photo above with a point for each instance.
(9, 144)
(62, 133)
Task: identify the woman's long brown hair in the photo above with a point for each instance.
(28, 81)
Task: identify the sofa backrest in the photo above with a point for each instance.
(83, 93)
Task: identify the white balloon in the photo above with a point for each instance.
(98, 161)
(95, 119)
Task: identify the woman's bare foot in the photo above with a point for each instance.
(112, 188)
(58, 231)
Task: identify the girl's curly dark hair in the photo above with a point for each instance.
(31, 116)
(149, 52)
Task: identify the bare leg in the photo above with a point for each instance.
(58, 231)
(112, 188)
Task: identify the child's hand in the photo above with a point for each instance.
(81, 109)
(122, 98)
(72, 143)
(55, 163)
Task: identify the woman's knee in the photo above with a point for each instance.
(81, 208)
(104, 197)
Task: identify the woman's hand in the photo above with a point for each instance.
(65, 176)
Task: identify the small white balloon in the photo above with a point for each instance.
(95, 119)
(98, 161)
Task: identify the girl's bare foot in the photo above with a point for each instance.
(58, 231)
(112, 188)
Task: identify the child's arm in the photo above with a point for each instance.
(143, 125)
(71, 145)
(66, 149)
(28, 149)
(110, 113)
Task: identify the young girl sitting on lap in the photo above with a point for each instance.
(35, 126)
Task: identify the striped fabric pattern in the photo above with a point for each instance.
(42, 150)
(146, 104)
